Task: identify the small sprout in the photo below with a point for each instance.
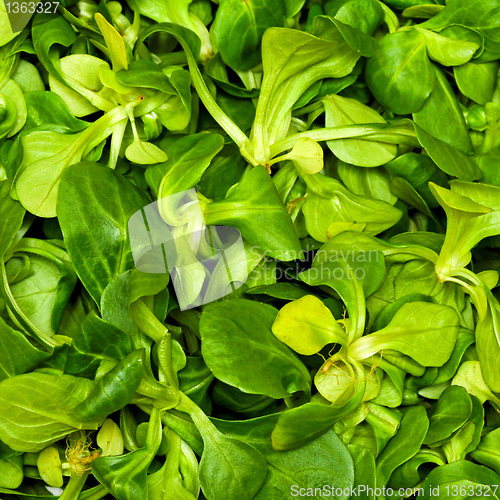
(307, 155)
(50, 467)
(476, 118)
(109, 439)
(141, 152)
(306, 325)
(336, 381)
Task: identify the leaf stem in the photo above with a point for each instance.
(74, 487)
(95, 493)
(232, 130)
(392, 134)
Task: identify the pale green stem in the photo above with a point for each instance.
(370, 132)
(156, 330)
(74, 487)
(95, 493)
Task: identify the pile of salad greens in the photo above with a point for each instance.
(355, 146)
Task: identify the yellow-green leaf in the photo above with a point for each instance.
(49, 467)
(306, 325)
(145, 153)
(114, 43)
(307, 155)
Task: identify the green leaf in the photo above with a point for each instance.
(441, 116)
(478, 15)
(400, 75)
(43, 295)
(95, 231)
(369, 182)
(328, 202)
(217, 71)
(448, 51)
(145, 153)
(6, 29)
(341, 111)
(452, 410)
(448, 370)
(487, 452)
(37, 409)
(81, 71)
(338, 380)
(418, 170)
(292, 62)
(27, 76)
(179, 13)
(114, 43)
(404, 445)
(225, 170)
(48, 31)
(238, 28)
(323, 461)
(125, 476)
(237, 338)
(48, 154)
(17, 354)
(11, 215)
(406, 192)
(468, 437)
(195, 380)
(352, 274)
(230, 467)
(365, 15)
(488, 350)
(364, 467)
(227, 463)
(471, 222)
(447, 158)
(298, 426)
(191, 45)
(356, 39)
(469, 375)
(145, 74)
(102, 339)
(306, 325)
(307, 156)
(189, 157)
(115, 302)
(254, 208)
(477, 81)
(408, 473)
(443, 481)
(433, 329)
(47, 111)
(13, 92)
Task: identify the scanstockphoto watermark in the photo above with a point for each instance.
(329, 490)
(438, 491)
(206, 263)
